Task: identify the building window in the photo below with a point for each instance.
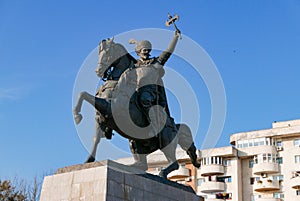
(252, 180)
(226, 179)
(278, 178)
(255, 197)
(297, 142)
(279, 143)
(211, 178)
(212, 160)
(296, 174)
(268, 141)
(224, 196)
(227, 162)
(255, 160)
(251, 163)
(265, 158)
(278, 195)
(269, 158)
(279, 160)
(200, 181)
(253, 142)
(297, 159)
(298, 192)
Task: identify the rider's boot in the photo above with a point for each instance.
(140, 162)
(108, 133)
(193, 155)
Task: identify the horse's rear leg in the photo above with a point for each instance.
(140, 160)
(97, 137)
(170, 153)
(185, 140)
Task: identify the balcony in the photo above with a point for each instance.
(212, 186)
(266, 185)
(260, 168)
(213, 169)
(179, 174)
(256, 150)
(295, 182)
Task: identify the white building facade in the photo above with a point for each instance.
(262, 165)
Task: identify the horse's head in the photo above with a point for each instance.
(108, 55)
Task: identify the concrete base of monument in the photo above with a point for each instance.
(111, 181)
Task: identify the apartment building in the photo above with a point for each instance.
(261, 165)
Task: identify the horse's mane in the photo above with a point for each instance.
(125, 52)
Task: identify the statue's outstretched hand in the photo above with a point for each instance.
(178, 33)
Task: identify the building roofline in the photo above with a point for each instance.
(280, 129)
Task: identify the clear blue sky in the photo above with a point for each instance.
(254, 44)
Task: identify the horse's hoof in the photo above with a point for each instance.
(77, 118)
(90, 159)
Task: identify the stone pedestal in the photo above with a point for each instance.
(111, 181)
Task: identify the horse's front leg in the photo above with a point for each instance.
(77, 108)
(99, 103)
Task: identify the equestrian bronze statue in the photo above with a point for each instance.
(133, 103)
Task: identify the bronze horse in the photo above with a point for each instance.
(121, 111)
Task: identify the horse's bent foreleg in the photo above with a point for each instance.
(77, 108)
(81, 97)
(100, 104)
(185, 140)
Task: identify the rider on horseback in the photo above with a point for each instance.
(154, 94)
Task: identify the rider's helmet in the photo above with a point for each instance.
(142, 44)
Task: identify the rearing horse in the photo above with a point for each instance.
(123, 114)
(109, 69)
